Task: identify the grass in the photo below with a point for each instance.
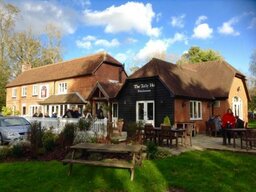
(252, 123)
(192, 171)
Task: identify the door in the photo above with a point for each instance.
(145, 112)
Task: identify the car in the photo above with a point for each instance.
(13, 128)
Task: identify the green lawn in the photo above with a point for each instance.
(191, 171)
(252, 123)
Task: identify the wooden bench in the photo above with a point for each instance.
(134, 150)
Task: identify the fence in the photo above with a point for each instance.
(98, 127)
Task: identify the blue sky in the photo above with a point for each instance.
(134, 31)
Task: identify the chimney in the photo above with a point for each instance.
(25, 67)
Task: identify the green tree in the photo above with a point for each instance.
(7, 15)
(253, 63)
(23, 48)
(252, 88)
(197, 55)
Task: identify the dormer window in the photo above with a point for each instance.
(62, 89)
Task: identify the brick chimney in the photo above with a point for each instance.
(25, 67)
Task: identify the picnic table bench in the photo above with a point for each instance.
(134, 150)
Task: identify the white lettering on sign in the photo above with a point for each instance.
(144, 87)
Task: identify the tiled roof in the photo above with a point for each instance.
(206, 80)
(70, 98)
(67, 69)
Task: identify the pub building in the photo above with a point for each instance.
(184, 93)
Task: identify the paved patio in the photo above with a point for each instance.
(203, 142)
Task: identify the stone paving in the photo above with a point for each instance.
(203, 142)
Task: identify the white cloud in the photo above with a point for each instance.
(131, 40)
(83, 44)
(152, 48)
(178, 37)
(158, 17)
(158, 47)
(106, 43)
(227, 27)
(88, 41)
(36, 15)
(129, 17)
(121, 57)
(200, 19)
(252, 23)
(202, 31)
(178, 21)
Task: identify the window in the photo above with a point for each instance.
(14, 92)
(24, 110)
(44, 91)
(35, 90)
(115, 110)
(216, 104)
(195, 110)
(62, 88)
(24, 91)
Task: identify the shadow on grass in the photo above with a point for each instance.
(209, 171)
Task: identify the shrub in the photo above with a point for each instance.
(162, 153)
(167, 121)
(82, 137)
(48, 140)
(84, 124)
(17, 150)
(151, 150)
(4, 153)
(68, 134)
(35, 138)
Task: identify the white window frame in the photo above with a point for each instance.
(35, 90)
(24, 91)
(14, 92)
(62, 88)
(195, 110)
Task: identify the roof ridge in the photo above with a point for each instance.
(69, 60)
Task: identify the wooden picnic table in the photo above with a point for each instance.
(134, 150)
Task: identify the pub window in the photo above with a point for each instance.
(195, 110)
(24, 91)
(35, 90)
(115, 110)
(63, 87)
(14, 92)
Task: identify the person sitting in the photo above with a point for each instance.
(76, 113)
(68, 114)
(35, 114)
(40, 114)
(239, 122)
(228, 121)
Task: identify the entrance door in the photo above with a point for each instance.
(145, 111)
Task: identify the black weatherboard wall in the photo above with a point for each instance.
(145, 89)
